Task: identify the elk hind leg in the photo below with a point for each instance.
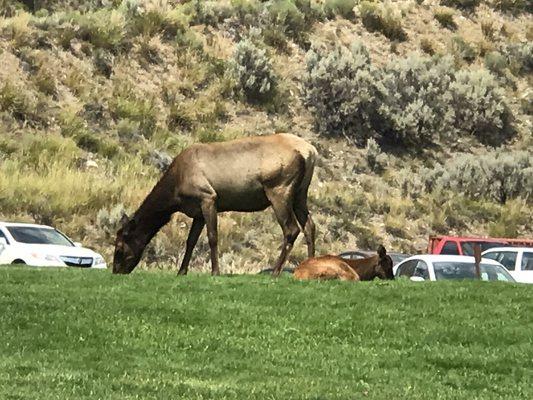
(306, 222)
(281, 201)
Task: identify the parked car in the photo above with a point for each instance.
(431, 267)
(357, 254)
(517, 260)
(44, 246)
(460, 245)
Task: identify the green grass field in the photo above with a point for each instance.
(74, 334)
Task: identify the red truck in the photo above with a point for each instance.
(465, 245)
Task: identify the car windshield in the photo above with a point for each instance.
(36, 235)
(466, 270)
(398, 258)
(468, 247)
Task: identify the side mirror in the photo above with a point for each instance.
(3, 241)
(417, 279)
(78, 244)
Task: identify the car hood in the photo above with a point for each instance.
(48, 249)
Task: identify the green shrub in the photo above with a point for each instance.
(286, 16)
(445, 17)
(9, 8)
(103, 28)
(526, 103)
(497, 176)
(210, 12)
(375, 158)
(253, 72)
(343, 8)
(275, 37)
(495, 62)
(165, 21)
(142, 111)
(97, 143)
(480, 106)
(36, 150)
(513, 6)
(312, 10)
(108, 220)
(463, 4)
(488, 29)
(519, 57)
(339, 90)
(514, 215)
(247, 11)
(382, 18)
(17, 101)
(462, 51)
(415, 104)
(427, 46)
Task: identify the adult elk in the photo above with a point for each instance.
(335, 267)
(248, 174)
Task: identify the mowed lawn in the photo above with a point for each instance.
(77, 334)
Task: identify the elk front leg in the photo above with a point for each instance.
(194, 233)
(210, 216)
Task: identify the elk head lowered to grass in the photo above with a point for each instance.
(335, 267)
(248, 174)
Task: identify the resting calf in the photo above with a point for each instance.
(335, 267)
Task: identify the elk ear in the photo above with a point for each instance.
(124, 220)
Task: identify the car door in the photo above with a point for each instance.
(421, 270)
(507, 258)
(406, 269)
(524, 271)
(3, 247)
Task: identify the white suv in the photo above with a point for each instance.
(517, 260)
(43, 246)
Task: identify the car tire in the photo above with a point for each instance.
(18, 262)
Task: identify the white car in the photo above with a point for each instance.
(517, 260)
(43, 246)
(437, 267)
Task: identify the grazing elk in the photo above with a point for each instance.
(335, 267)
(248, 174)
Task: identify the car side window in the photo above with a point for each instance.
(491, 256)
(505, 258)
(527, 261)
(421, 269)
(407, 269)
(450, 248)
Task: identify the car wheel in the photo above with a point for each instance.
(18, 262)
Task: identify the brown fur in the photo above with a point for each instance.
(324, 268)
(248, 174)
(335, 267)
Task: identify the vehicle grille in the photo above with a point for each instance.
(81, 262)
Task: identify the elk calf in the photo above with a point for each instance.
(335, 267)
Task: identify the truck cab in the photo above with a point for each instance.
(464, 246)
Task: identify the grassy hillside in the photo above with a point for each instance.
(86, 334)
(421, 112)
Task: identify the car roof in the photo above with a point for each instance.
(448, 257)
(509, 248)
(8, 224)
